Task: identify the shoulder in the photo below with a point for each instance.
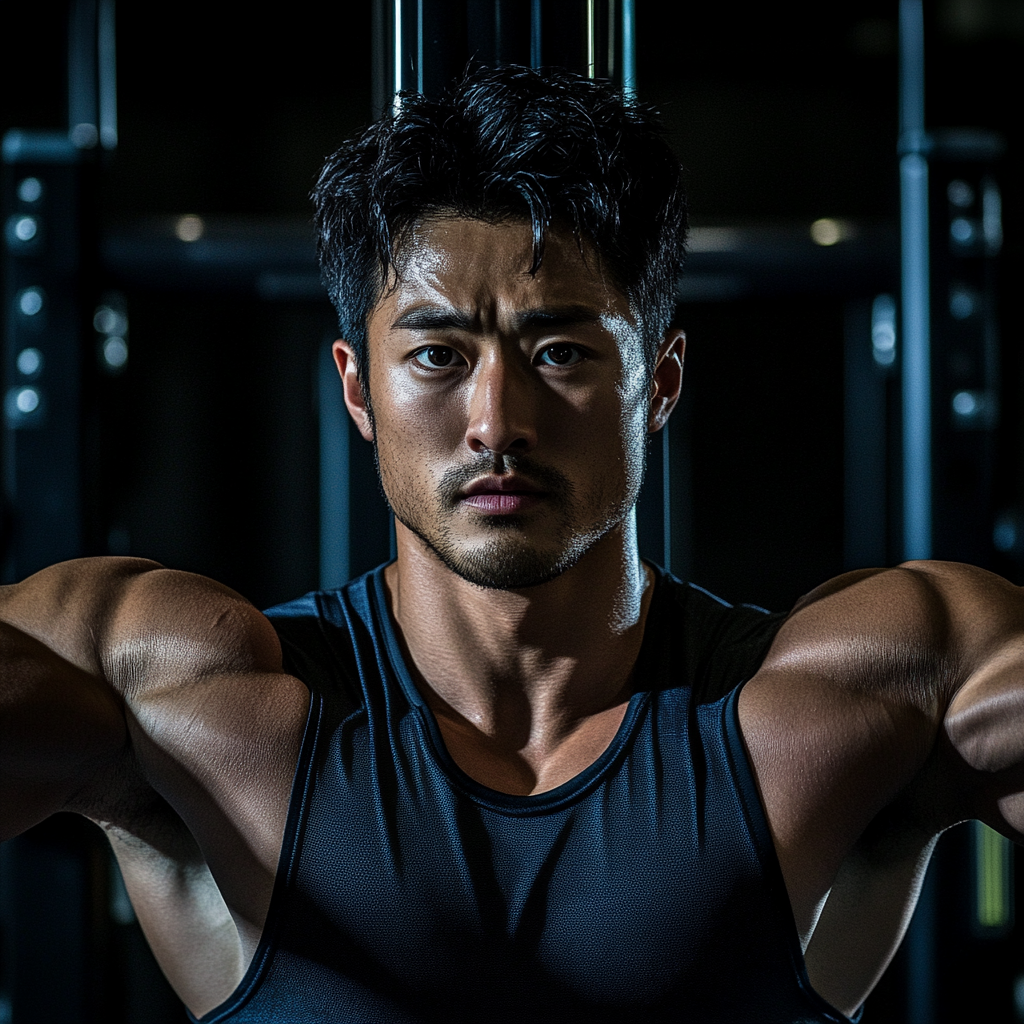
(912, 632)
(197, 668)
(139, 625)
(848, 714)
(170, 626)
(853, 696)
(191, 674)
(870, 649)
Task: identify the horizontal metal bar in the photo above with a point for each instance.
(276, 259)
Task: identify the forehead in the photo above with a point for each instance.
(484, 267)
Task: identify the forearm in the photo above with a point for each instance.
(867, 912)
(182, 912)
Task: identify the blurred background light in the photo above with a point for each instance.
(714, 239)
(25, 229)
(30, 301)
(30, 362)
(992, 214)
(883, 330)
(107, 320)
(962, 302)
(829, 231)
(1005, 532)
(30, 190)
(1018, 996)
(993, 881)
(115, 352)
(961, 230)
(189, 228)
(960, 194)
(26, 400)
(85, 136)
(965, 403)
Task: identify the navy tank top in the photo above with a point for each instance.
(644, 889)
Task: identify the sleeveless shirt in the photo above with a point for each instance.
(644, 889)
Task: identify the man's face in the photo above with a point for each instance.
(511, 412)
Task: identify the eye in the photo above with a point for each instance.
(436, 357)
(560, 355)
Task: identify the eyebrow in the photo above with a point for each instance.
(558, 316)
(435, 318)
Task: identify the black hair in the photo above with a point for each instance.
(547, 147)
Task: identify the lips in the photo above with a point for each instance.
(501, 495)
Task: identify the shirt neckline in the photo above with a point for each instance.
(580, 784)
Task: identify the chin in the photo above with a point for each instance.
(501, 573)
(506, 563)
(513, 552)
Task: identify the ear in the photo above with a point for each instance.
(668, 378)
(355, 401)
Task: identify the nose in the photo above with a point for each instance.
(501, 407)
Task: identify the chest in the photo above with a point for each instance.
(636, 882)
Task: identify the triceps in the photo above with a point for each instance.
(984, 729)
(60, 727)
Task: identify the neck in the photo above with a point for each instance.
(522, 671)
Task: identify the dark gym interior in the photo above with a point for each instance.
(168, 391)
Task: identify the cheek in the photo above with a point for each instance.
(623, 410)
(415, 423)
(633, 417)
(608, 443)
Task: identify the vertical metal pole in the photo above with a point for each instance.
(107, 74)
(419, 45)
(870, 353)
(591, 41)
(628, 48)
(917, 425)
(917, 421)
(83, 115)
(535, 34)
(397, 56)
(51, 898)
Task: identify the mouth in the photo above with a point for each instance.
(501, 495)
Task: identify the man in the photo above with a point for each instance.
(517, 774)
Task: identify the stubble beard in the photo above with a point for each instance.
(507, 560)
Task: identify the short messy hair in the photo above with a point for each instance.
(547, 147)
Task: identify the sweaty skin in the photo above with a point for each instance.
(524, 699)
(510, 413)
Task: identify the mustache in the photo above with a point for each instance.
(457, 478)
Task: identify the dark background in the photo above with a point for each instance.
(781, 116)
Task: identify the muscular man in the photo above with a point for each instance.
(517, 774)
